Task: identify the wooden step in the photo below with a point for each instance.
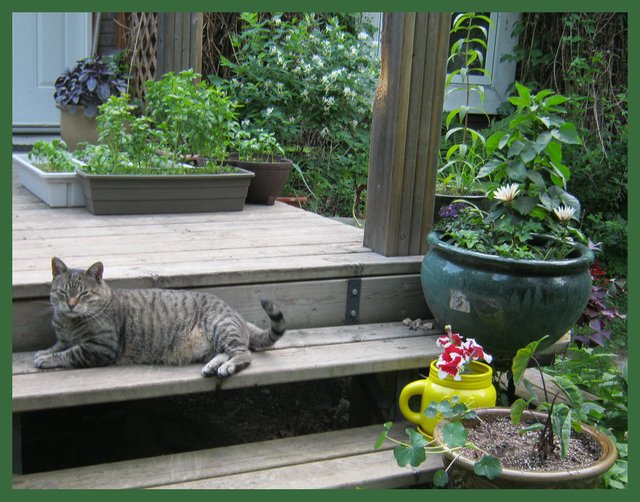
(300, 355)
(339, 459)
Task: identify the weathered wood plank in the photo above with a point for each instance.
(209, 466)
(368, 470)
(412, 77)
(35, 284)
(22, 361)
(305, 305)
(64, 388)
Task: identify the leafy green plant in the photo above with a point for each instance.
(192, 116)
(526, 160)
(462, 160)
(52, 156)
(252, 144)
(90, 83)
(310, 80)
(415, 451)
(595, 371)
(130, 144)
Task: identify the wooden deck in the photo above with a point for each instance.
(301, 260)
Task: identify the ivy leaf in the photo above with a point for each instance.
(414, 454)
(454, 435)
(488, 466)
(441, 478)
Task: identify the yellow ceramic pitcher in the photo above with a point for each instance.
(475, 390)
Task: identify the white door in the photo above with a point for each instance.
(44, 44)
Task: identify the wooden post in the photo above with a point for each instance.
(405, 133)
(179, 41)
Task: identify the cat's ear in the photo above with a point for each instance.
(96, 271)
(57, 266)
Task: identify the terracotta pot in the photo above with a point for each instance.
(293, 201)
(76, 127)
(588, 476)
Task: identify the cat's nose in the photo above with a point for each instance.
(72, 302)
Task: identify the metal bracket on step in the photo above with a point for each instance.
(354, 291)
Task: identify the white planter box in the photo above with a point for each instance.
(55, 189)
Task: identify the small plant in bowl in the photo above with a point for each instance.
(90, 83)
(513, 447)
(256, 145)
(52, 157)
(258, 151)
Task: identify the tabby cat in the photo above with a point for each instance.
(98, 326)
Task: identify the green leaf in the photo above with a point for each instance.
(489, 167)
(522, 358)
(532, 427)
(537, 179)
(441, 478)
(524, 205)
(542, 141)
(516, 170)
(571, 390)
(567, 134)
(517, 408)
(561, 424)
(493, 141)
(383, 435)
(454, 435)
(488, 466)
(516, 147)
(414, 454)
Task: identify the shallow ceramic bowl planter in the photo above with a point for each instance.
(151, 193)
(270, 178)
(55, 189)
(588, 476)
(504, 303)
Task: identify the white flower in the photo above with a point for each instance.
(507, 193)
(269, 110)
(564, 213)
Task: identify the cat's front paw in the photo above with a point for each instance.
(45, 361)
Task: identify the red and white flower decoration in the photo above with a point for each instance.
(457, 354)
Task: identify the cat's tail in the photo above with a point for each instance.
(262, 338)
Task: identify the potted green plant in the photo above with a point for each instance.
(194, 119)
(258, 151)
(134, 170)
(48, 171)
(507, 275)
(462, 150)
(79, 92)
(514, 447)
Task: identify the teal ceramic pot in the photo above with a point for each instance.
(504, 303)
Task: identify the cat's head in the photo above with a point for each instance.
(75, 292)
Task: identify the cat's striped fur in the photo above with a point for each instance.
(96, 325)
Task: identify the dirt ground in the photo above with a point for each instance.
(65, 438)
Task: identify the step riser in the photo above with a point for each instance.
(307, 304)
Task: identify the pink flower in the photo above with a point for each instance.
(457, 354)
